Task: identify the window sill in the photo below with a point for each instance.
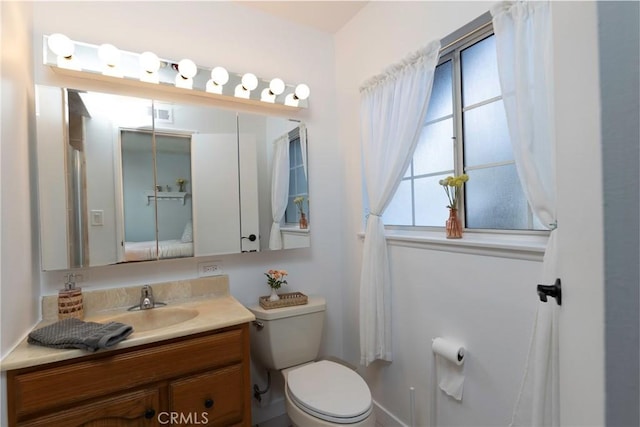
(518, 246)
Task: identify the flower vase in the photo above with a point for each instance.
(453, 226)
(303, 220)
(181, 188)
(274, 295)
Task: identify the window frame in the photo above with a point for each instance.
(464, 38)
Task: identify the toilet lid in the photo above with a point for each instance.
(330, 391)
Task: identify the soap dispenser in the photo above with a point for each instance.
(70, 303)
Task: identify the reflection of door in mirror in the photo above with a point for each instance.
(155, 217)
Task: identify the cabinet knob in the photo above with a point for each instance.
(149, 413)
(208, 403)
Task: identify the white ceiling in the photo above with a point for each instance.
(327, 16)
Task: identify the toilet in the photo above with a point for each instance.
(317, 393)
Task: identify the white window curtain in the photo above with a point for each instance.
(525, 65)
(279, 188)
(392, 111)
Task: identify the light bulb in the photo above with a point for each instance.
(149, 62)
(187, 68)
(241, 92)
(276, 86)
(220, 76)
(302, 91)
(61, 45)
(249, 81)
(109, 54)
(267, 96)
(183, 83)
(291, 100)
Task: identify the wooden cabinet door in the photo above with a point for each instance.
(139, 409)
(214, 398)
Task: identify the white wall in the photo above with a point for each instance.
(19, 287)
(485, 302)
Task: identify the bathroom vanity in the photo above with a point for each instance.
(196, 372)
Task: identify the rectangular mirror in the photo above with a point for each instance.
(125, 179)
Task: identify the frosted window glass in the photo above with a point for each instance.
(479, 72)
(486, 136)
(293, 189)
(431, 202)
(441, 102)
(494, 199)
(301, 181)
(291, 214)
(434, 152)
(295, 156)
(399, 210)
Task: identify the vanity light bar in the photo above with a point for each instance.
(107, 61)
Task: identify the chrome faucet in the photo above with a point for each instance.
(147, 301)
(146, 298)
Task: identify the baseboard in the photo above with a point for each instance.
(384, 418)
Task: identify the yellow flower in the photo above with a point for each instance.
(299, 203)
(452, 186)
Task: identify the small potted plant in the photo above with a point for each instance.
(275, 279)
(299, 201)
(181, 183)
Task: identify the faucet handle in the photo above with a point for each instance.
(146, 297)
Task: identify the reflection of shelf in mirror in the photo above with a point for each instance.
(166, 195)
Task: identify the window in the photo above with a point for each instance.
(297, 179)
(465, 131)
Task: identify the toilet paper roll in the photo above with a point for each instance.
(449, 359)
(451, 351)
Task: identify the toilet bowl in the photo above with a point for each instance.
(325, 393)
(317, 393)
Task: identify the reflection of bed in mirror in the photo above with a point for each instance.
(145, 251)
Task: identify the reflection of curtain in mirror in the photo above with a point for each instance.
(279, 188)
(303, 148)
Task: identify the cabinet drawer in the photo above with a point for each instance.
(216, 398)
(139, 409)
(75, 381)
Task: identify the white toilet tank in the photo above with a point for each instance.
(288, 336)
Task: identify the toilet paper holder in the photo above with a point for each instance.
(554, 291)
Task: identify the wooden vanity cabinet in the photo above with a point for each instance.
(201, 379)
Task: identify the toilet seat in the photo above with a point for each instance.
(330, 392)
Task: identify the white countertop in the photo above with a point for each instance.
(215, 310)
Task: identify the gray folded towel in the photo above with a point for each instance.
(74, 333)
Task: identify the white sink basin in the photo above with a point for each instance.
(155, 318)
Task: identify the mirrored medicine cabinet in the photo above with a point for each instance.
(124, 179)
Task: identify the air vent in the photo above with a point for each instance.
(163, 113)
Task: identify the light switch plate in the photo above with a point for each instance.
(97, 217)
